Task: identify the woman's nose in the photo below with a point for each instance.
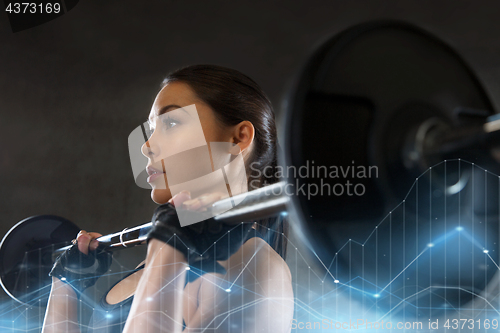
(150, 149)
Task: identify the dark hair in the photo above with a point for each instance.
(234, 97)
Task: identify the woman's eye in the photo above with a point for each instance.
(169, 123)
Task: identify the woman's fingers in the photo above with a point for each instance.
(94, 243)
(183, 199)
(204, 201)
(180, 198)
(87, 241)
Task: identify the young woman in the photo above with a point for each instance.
(253, 291)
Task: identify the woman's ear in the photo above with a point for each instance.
(243, 134)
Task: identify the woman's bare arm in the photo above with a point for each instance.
(157, 305)
(61, 314)
(62, 308)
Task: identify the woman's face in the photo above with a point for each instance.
(175, 129)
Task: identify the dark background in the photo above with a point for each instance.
(72, 90)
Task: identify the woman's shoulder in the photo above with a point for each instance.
(256, 274)
(258, 260)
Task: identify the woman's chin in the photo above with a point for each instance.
(160, 196)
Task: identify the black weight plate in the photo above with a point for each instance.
(353, 104)
(26, 256)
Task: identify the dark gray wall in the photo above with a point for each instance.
(74, 88)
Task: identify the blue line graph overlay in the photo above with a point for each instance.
(435, 256)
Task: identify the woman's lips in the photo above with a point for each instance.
(153, 173)
(154, 176)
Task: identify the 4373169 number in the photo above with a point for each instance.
(33, 8)
(460, 324)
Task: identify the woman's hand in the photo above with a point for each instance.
(202, 242)
(80, 266)
(87, 241)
